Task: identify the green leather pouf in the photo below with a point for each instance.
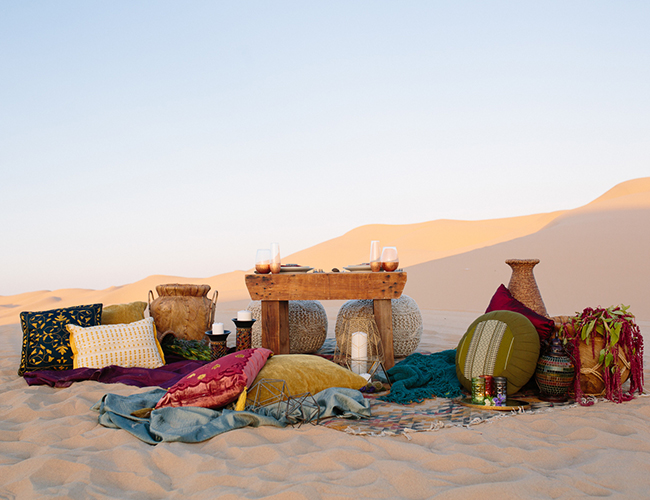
(501, 344)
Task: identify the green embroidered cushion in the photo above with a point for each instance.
(46, 340)
(499, 343)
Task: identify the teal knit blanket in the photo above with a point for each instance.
(421, 376)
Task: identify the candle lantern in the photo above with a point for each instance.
(218, 339)
(359, 347)
(244, 324)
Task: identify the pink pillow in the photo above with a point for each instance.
(502, 300)
(218, 383)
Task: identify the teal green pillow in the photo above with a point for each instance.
(46, 340)
(501, 344)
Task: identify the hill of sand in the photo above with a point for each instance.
(53, 447)
(592, 255)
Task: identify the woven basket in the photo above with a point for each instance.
(407, 322)
(182, 310)
(592, 381)
(307, 325)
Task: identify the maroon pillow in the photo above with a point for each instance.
(218, 383)
(502, 300)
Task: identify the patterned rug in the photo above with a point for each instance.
(390, 419)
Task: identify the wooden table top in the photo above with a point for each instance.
(325, 286)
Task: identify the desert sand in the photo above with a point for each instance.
(52, 446)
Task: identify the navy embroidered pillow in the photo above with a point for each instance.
(46, 340)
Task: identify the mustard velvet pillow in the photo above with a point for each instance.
(306, 373)
(127, 345)
(123, 313)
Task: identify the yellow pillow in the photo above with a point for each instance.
(126, 345)
(306, 373)
(123, 313)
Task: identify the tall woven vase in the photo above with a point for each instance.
(523, 286)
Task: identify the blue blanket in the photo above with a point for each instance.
(421, 376)
(192, 424)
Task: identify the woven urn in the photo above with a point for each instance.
(183, 311)
(554, 373)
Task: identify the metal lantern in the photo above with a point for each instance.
(359, 348)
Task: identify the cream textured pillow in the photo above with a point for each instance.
(127, 345)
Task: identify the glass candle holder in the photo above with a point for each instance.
(375, 256)
(389, 259)
(263, 261)
(276, 264)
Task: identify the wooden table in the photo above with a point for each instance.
(276, 290)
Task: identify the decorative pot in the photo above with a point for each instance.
(555, 373)
(523, 286)
(183, 311)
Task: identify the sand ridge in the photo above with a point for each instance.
(593, 255)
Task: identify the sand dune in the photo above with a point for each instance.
(52, 446)
(592, 255)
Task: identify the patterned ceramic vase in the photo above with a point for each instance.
(555, 373)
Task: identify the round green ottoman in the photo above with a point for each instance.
(499, 343)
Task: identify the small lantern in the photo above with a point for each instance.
(359, 348)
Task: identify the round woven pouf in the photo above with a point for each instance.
(407, 322)
(307, 325)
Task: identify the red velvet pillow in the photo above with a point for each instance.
(502, 300)
(218, 383)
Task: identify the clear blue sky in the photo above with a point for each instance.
(141, 138)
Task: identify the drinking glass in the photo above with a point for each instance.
(276, 264)
(263, 261)
(375, 256)
(389, 259)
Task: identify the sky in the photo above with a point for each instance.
(177, 138)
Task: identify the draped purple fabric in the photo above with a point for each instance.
(164, 377)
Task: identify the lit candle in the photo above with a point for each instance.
(217, 329)
(359, 352)
(244, 315)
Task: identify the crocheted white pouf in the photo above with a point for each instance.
(407, 322)
(307, 325)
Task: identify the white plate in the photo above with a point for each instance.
(358, 269)
(301, 269)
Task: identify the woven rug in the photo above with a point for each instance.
(390, 419)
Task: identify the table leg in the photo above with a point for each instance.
(275, 325)
(384, 319)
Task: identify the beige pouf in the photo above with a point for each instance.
(407, 322)
(307, 325)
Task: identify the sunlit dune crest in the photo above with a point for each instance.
(592, 255)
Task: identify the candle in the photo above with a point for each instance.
(359, 352)
(244, 315)
(217, 329)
